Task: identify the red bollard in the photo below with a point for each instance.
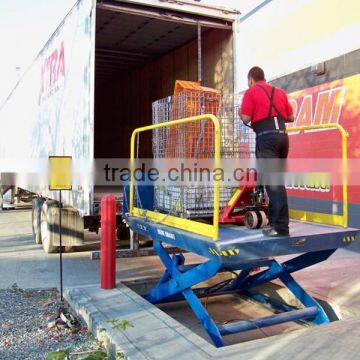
(108, 245)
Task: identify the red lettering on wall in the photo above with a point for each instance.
(52, 72)
(61, 62)
(305, 113)
(294, 106)
(318, 106)
(328, 106)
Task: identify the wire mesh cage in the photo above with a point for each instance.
(189, 201)
(196, 141)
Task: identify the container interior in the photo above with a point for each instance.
(137, 60)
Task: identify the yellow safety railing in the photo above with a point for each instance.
(208, 230)
(320, 217)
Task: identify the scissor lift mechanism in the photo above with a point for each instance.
(241, 249)
(233, 248)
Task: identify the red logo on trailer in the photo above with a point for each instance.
(52, 73)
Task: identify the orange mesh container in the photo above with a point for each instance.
(192, 140)
(196, 141)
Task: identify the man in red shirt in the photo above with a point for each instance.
(267, 109)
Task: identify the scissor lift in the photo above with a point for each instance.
(229, 247)
(241, 249)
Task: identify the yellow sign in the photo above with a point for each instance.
(60, 172)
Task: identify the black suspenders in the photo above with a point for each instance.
(271, 99)
(278, 123)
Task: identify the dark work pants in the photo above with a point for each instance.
(274, 146)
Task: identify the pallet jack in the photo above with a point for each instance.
(248, 206)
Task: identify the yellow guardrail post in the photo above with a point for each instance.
(217, 164)
(344, 160)
(196, 227)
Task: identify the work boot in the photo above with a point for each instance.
(271, 232)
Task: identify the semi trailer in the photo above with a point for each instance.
(93, 82)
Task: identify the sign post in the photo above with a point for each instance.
(60, 174)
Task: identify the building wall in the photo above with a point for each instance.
(285, 36)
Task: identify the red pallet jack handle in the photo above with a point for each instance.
(241, 208)
(240, 198)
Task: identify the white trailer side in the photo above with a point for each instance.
(56, 109)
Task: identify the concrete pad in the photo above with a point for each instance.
(25, 263)
(15, 222)
(156, 335)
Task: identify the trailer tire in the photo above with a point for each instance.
(36, 219)
(45, 227)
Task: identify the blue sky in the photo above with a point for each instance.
(25, 25)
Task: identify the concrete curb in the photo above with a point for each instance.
(155, 334)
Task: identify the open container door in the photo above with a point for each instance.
(141, 50)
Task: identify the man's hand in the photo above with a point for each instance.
(290, 119)
(245, 118)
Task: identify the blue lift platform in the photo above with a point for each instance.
(226, 247)
(241, 249)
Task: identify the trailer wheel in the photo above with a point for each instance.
(251, 220)
(36, 219)
(46, 221)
